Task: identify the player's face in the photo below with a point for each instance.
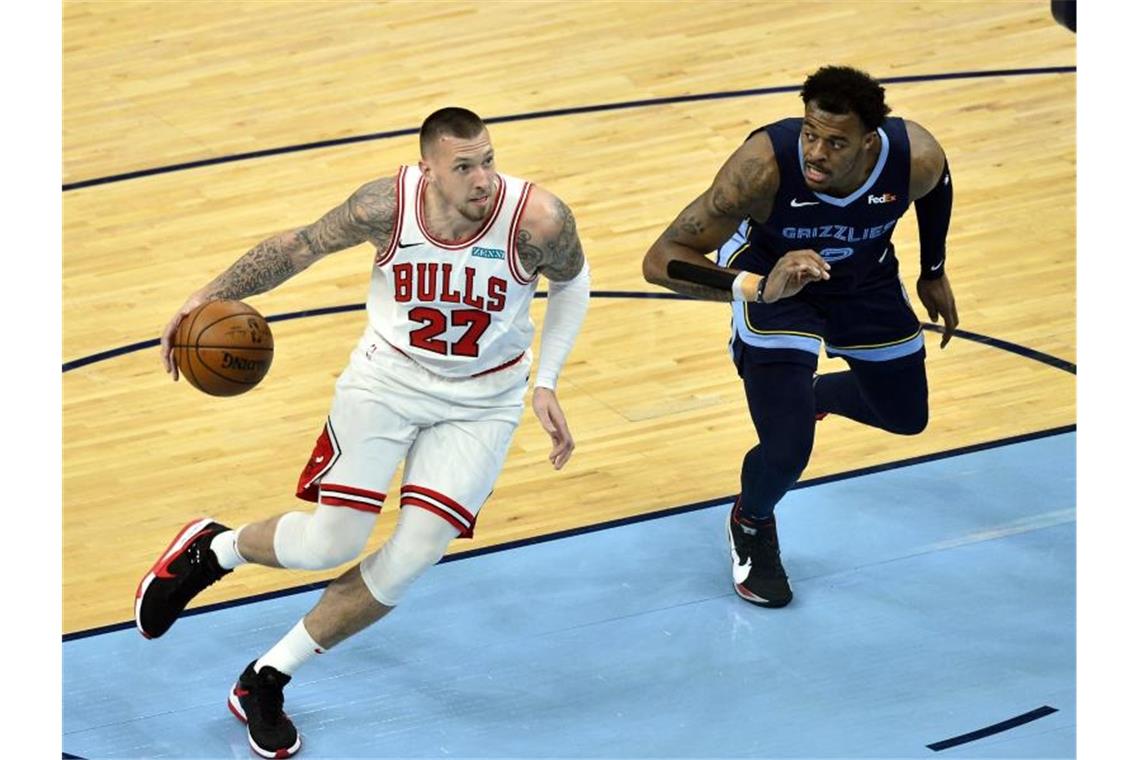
(463, 172)
(836, 148)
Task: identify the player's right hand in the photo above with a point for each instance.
(792, 272)
(166, 342)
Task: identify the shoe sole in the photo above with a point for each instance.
(188, 533)
(235, 707)
(741, 591)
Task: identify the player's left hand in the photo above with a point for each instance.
(938, 299)
(553, 421)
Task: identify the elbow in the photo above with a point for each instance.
(653, 267)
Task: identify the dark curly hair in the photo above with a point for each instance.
(452, 122)
(842, 89)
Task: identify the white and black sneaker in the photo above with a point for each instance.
(258, 701)
(757, 575)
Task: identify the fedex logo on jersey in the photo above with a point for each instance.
(431, 281)
(488, 253)
(838, 232)
(884, 198)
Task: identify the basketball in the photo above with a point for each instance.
(223, 348)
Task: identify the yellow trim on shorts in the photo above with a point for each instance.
(732, 256)
(748, 322)
(912, 336)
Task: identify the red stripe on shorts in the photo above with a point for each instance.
(334, 501)
(465, 531)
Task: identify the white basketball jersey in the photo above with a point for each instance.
(458, 309)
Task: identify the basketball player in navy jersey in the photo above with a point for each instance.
(801, 217)
(437, 382)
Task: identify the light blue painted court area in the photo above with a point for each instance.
(932, 600)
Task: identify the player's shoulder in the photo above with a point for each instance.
(922, 143)
(545, 214)
(759, 144)
(926, 159)
(750, 175)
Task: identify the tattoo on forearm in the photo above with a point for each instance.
(265, 267)
(307, 240)
(367, 215)
(560, 258)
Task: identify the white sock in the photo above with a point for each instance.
(291, 652)
(224, 547)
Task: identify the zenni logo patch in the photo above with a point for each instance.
(488, 253)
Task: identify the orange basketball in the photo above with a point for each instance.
(223, 348)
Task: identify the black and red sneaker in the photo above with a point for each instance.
(757, 573)
(181, 573)
(258, 701)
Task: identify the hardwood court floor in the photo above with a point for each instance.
(654, 403)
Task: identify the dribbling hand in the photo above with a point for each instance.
(167, 340)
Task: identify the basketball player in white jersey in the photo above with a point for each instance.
(437, 381)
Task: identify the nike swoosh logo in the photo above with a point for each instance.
(740, 570)
(937, 266)
(162, 570)
(801, 204)
(407, 245)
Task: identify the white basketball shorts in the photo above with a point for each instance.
(452, 434)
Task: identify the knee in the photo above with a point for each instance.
(780, 459)
(909, 421)
(302, 542)
(411, 550)
(325, 549)
(789, 460)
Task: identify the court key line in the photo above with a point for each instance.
(615, 523)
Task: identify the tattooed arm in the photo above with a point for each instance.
(547, 242)
(547, 239)
(367, 215)
(745, 186)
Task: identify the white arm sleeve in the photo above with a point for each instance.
(565, 310)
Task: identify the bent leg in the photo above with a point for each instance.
(890, 395)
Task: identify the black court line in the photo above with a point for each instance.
(569, 111)
(656, 515)
(1004, 345)
(996, 728)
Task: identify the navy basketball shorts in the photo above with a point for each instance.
(875, 323)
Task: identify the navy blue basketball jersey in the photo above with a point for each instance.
(852, 233)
